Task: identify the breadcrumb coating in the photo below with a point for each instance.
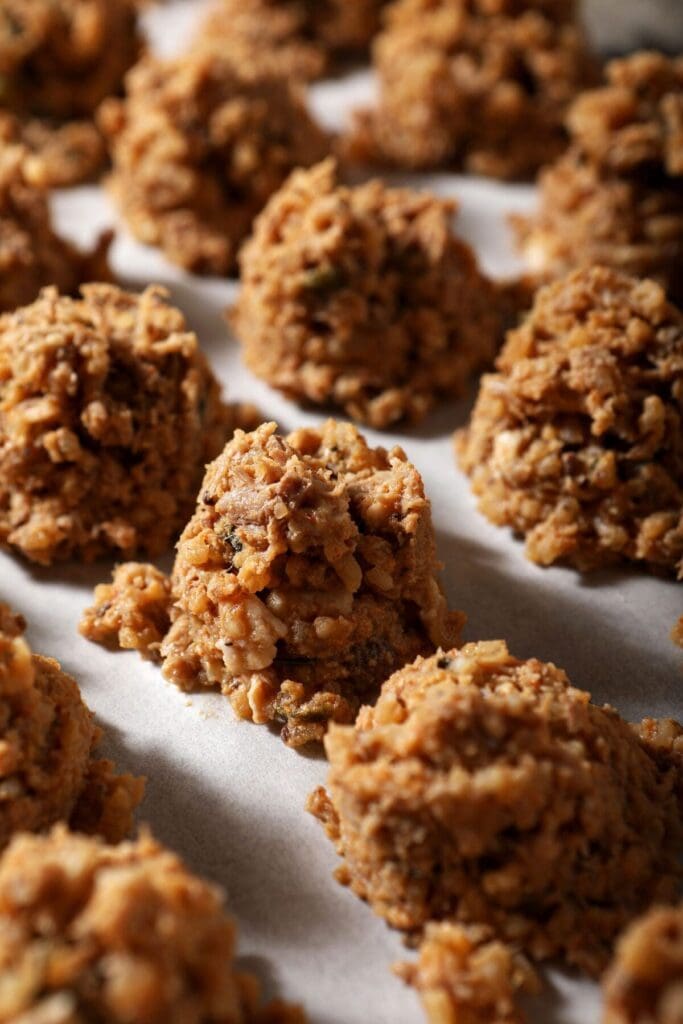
(305, 577)
(644, 984)
(32, 255)
(108, 414)
(482, 789)
(48, 768)
(123, 934)
(616, 197)
(481, 85)
(577, 441)
(465, 976)
(290, 38)
(198, 148)
(363, 298)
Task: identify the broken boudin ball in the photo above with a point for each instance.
(49, 770)
(363, 298)
(466, 976)
(198, 148)
(289, 38)
(108, 414)
(644, 983)
(58, 61)
(306, 576)
(576, 441)
(124, 934)
(32, 255)
(481, 789)
(616, 196)
(481, 85)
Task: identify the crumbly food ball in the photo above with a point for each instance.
(616, 197)
(482, 789)
(123, 934)
(61, 58)
(56, 155)
(48, 769)
(644, 984)
(198, 148)
(576, 441)
(31, 254)
(290, 38)
(479, 84)
(108, 414)
(466, 976)
(306, 576)
(363, 298)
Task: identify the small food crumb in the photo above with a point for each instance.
(575, 441)
(198, 147)
(306, 576)
(49, 771)
(492, 792)
(363, 298)
(481, 85)
(644, 984)
(119, 934)
(108, 414)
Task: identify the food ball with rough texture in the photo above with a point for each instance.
(577, 441)
(123, 934)
(49, 771)
(305, 577)
(363, 298)
(32, 255)
(466, 976)
(290, 38)
(481, 85)
(198, 148)
(616, 196)
(644, 984)
(58, 60)
(108, 413)
(482, 789)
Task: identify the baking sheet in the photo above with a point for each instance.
(228, 795)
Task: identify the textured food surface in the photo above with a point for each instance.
(481, 789)
(198, 147)
(108, 414)
(291, 38)
(49, 771)
(363, 298)
(474, 84)
(305, 577)
(123, 934)
(577, 441)
(616, 196)
(644, 984)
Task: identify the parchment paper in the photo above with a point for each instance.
(228, 795)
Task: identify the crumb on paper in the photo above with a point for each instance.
(478, 86)
(575, 442)
(198, 148)
(363, 298)
(108, 413)
(644, 983)
(118, 933)
(485, 790)
(464, 975)
(616, 196)
(49, 770)
(307, 574)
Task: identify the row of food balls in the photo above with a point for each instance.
(481, 804)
